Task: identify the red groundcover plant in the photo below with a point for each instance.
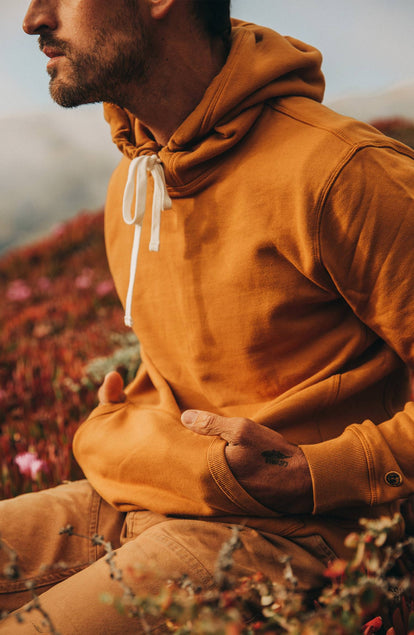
(59, 311)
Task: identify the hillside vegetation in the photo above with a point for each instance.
(59, 311)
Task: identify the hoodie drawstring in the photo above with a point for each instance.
(138, 172)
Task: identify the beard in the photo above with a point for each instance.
(103, 73)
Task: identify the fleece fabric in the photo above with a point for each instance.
(282, 291)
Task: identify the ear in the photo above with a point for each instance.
(160, 8)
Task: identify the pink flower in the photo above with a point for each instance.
(104, 288)
(19, 291)
(29, 464)
(84, 280)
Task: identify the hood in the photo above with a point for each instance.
(262, 65)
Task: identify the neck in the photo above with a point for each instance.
(174, 86)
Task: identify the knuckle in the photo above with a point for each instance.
(208, 421)
(241, 430)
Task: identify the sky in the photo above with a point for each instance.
(368, 45)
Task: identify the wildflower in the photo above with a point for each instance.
(352, 540)
(18, 291)
(378, 525)
(336, 569)
(104, 288)
(373, 626)
(258, 577)
(84, 280)
(29, 464)
(266, 600)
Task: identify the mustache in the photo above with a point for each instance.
(46, 40)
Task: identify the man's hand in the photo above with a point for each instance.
(274, 471)
(112, 389)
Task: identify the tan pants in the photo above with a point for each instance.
(71, 573)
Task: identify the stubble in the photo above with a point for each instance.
(104, 72)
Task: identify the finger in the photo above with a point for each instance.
(231, 429)
(112, 389)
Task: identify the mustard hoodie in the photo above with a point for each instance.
(273, 281)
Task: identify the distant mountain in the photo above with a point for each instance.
(51, 165)
(396, 101)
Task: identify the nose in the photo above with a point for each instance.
(40, 15)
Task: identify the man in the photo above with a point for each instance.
(261, 246)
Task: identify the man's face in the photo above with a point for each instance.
(96, 47)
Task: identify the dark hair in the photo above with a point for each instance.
(214, 16)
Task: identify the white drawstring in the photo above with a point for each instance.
(138, 172)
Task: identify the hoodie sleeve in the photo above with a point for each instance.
(366, 241)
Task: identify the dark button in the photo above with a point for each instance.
(394, 479)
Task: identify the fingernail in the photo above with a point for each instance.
(189, 417)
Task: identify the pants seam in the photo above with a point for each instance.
(93, 524)
(41, 581)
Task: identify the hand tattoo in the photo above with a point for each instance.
(276, 458)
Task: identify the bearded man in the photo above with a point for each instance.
(260, 244)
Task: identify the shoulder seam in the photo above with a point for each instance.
(384, 142)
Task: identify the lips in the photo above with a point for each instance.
(52, 52)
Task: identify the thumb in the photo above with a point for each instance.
(228, 428)
(112, 389)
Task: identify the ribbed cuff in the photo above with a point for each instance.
(341, 472)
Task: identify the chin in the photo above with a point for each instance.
(69, 96)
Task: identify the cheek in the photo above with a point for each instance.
(86, 17)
